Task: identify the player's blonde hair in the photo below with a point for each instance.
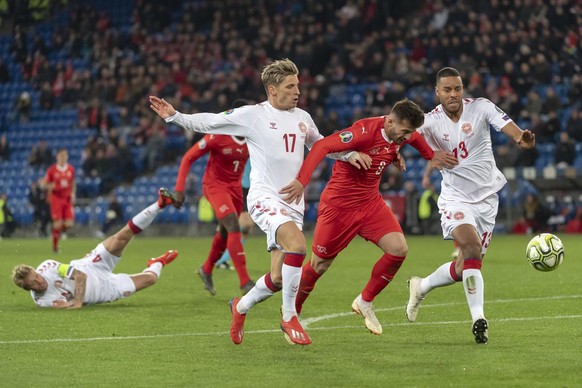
(20, 274)
(274, 73)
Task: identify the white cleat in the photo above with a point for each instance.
(366, 310)
(415, 298)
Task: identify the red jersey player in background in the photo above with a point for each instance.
(351, 203)
(222, 187)
(61, 187)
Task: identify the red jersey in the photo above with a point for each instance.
(348, 186)
(226, 164)
(62, 180)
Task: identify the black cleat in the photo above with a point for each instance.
(247, 287)
(480, 327)
(207, 280)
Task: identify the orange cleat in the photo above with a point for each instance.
(165, 259)
(165, 197)
(294, 333)
(237, 330)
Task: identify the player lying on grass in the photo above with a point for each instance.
(91, 280)
(351, 203)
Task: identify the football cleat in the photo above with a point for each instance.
(247, 287)
(366, 310)
(165, 197)
(415, 298)
(294, 333)
(165, 259)
(480, 327)
(237, 330)
(207, 280)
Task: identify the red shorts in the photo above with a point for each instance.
(61, 209)
(223, 200)
(336, 227)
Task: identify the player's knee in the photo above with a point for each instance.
(277, 280)
(321, 266)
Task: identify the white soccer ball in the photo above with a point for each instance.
(545, 252)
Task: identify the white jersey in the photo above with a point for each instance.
(476, 176)
(275, 139)
(60, 285)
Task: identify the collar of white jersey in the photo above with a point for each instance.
(280, 110)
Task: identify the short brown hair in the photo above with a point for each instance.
(408, 110)
(274, 73)
(447, 72)
(20, 274)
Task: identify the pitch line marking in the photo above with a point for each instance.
(307, 321)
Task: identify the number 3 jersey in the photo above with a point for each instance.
(275, 139)
(476, 176)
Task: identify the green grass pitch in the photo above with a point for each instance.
(175, 334)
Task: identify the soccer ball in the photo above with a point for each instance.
(545, 252)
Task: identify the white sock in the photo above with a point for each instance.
(144, 219)
(474, 291)
(155, 268)
(291, 278)
(439, 278)
(257, 294)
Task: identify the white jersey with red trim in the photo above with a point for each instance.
(476, 176)
(60, 285)
(275, 139)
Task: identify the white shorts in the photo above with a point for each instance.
(481, 215)
(269, 214)
(102, 284)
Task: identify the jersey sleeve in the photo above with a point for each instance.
(236, 122)
(195, 152)
(418, 142)
(337, 142)
(495, 115)
(313, 134)
(65, 271)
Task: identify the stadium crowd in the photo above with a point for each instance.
(524, 55)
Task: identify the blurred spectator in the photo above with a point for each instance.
(535, 217)
(392, 180)
(527, 158)
(428, 211)
(4, 148)
(41, 156)
(505, 155)
(21, 110)
(37, 197)
(574, 125)
(47, 100)
(126, 162)
(565, 151)
(154, 148)
(113, 216)
(4, 72)
(6, 219)
(552, 102)
(533, 106)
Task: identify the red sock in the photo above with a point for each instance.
(453, 273)
(216, 250)
(237, 254)
(308, 279)
(56, 236)
(382, 274)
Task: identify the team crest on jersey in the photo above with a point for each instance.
(467, 128)
(227, 112)
(227, 151)
(458, 216)
(202, 144)
(346, 136)
(302, 127)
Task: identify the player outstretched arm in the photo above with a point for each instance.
(80, 279)
(524, 138)
(193, 154)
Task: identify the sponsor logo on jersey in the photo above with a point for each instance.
(202, 144)
(363, 129)
(302, 127)
(240, 150)
(346, 136)
(227, 112)
(322, 249)
(223, 208)
(272, 125)
(467, 128)
(446, 137)
(458, 216)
